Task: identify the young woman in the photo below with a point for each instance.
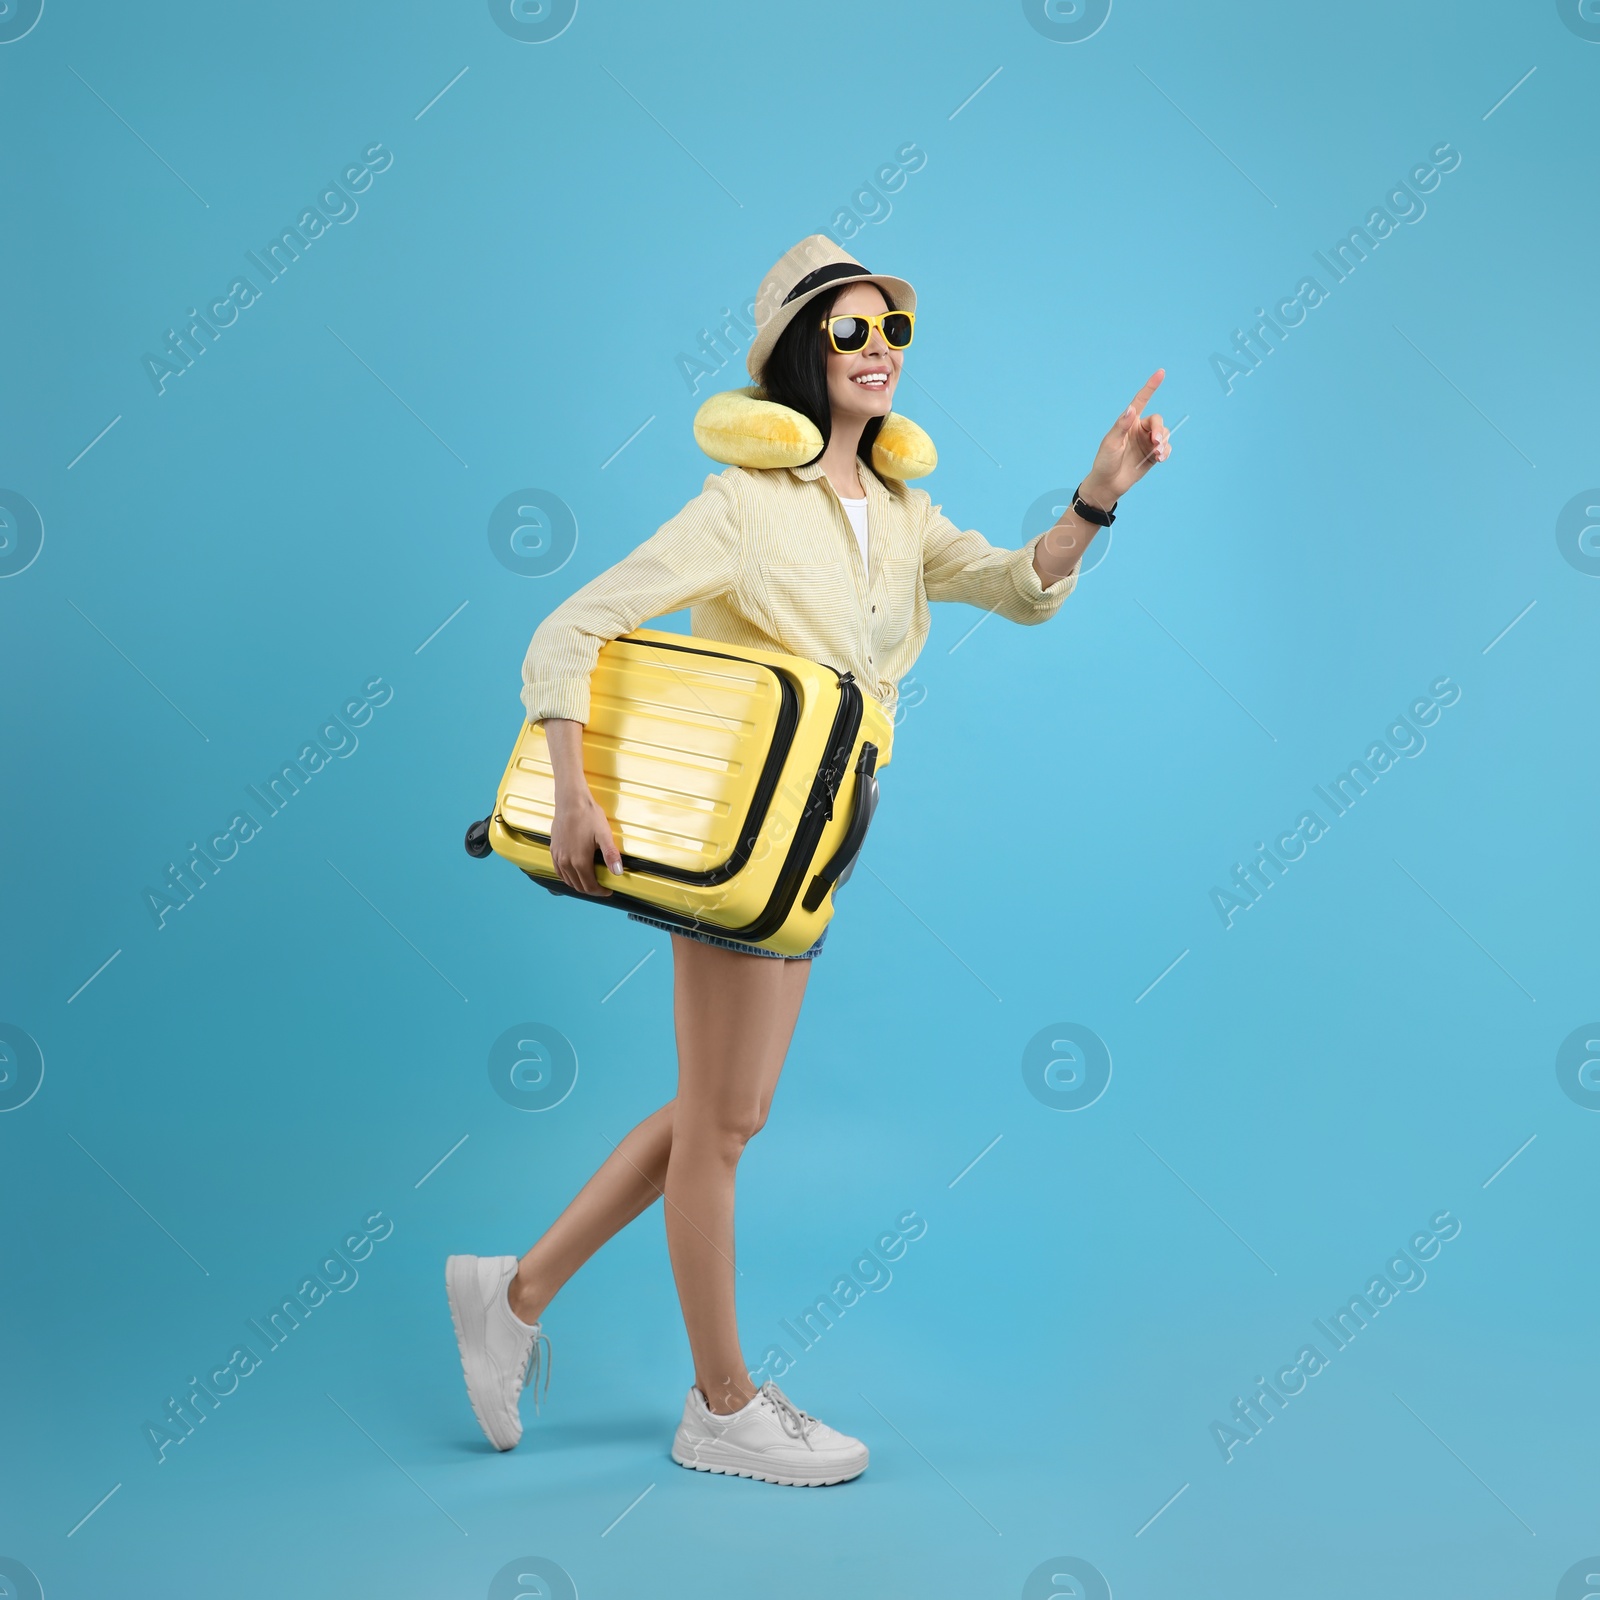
(828, 561)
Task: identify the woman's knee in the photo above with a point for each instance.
(723, 1131)
(737, 1126)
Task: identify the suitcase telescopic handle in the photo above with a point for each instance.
(843, 861)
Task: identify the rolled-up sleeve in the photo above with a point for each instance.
(963, 565)
(691, 558)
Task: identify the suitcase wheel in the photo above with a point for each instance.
(477, 840)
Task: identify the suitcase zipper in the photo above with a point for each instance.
(815, 818)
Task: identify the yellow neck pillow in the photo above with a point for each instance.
(740, 428)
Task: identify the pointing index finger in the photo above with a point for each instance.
(1152, 383)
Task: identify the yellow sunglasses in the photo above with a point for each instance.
(849, 334)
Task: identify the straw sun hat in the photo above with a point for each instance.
(810, 268)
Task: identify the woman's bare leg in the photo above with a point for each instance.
(628, 1182)
(634, 1175)
(735, 1016)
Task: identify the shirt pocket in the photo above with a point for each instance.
(900, 585)
(805, 596)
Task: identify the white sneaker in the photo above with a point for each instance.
(770, 1439)
(499, 1352)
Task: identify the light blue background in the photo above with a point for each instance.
(299, 1047)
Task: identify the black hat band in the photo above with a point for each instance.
(826, 275)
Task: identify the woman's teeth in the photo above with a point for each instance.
(871, 380)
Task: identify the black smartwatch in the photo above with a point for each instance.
(1091, 513)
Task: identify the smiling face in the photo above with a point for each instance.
(861, 385)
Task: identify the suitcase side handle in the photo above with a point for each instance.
(843, 861)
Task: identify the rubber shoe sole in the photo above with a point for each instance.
(705, 1461)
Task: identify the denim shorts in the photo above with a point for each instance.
(732, 944)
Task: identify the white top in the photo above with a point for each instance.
(856, 510)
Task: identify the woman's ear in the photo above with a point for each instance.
(902, 450)
(741, 429)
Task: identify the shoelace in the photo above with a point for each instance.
(794, 1422)
(532, 1368)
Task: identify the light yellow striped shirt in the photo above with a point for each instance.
(768, 558)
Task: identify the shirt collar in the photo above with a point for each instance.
(813, 469)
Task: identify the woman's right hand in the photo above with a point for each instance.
(579, 825)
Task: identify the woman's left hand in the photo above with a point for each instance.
(1134, 444)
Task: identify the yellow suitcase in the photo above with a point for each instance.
(739, 784)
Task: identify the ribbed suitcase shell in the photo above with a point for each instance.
(738, 783)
